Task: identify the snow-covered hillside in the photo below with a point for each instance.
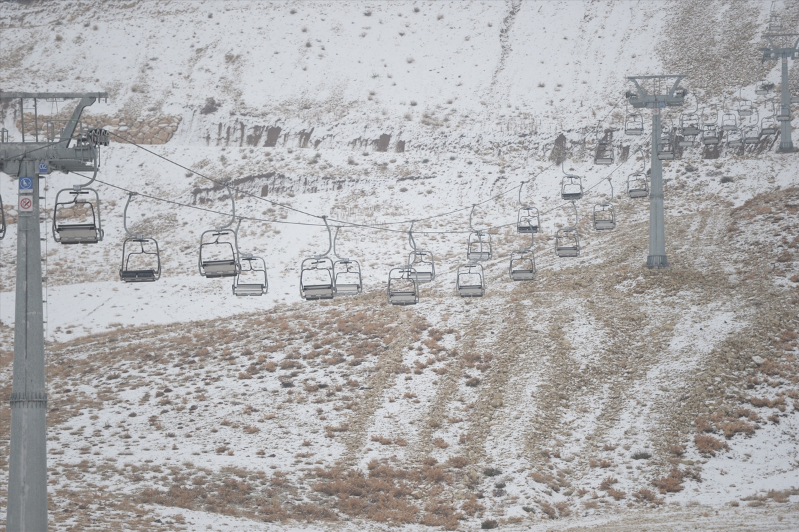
(602, 394)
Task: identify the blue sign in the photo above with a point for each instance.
(43, 169)
(25, 185)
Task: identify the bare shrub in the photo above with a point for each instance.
(708, 444)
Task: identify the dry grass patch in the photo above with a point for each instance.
(708, 444)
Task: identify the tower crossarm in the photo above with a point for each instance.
(774, 51)
(672, 97)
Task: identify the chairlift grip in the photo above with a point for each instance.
(125, 214)
(233, 203)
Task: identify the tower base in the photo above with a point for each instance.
(657, 262)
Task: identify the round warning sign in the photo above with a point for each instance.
(25, 204)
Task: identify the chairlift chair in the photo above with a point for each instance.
(346, 273)
(479, 246)
(403, 288)
(218, 253)
(470, 281)
(317, 279)
(567, 239)
(604, 154)
(769, 125)
(751, 134)
(567, 242)
(729, 121)
(69, 214)
(422, 261)
(528, 220)
(637, 182)
(686, 141)
(634, 124)
(571, 186)
(781, 114)
(522, 265)
(690, 123)
(735, 138)
(745, 108)
(711, 135)
(479, 243)
(604, 213)
(764, 87)
(219, 248)
(141, 258)
(666, 149)
(774, 21)
(251, 279)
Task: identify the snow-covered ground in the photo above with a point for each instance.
(391, 112)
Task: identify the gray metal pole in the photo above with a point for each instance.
(657, 230)
(786, 143)
(27, 475)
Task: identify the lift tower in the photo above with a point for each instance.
(661, 96)
(60, 150)
(780, 48)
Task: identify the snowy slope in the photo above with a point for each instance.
(594, 362)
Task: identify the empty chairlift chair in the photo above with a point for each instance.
(470, 281)
(522, 263)
(751, 134)
(774, 21)
(633, 123)
(605, 214)
(764, 87)
(251, 279)
(317, 280)
(421, 261)
(76, 216)
(346, 273)
(219, 248)
(666, 149)
(711, 136)
(567, 239)
(638, 182)
(745, 108)
(571, 186)
(769, 125)
(729, 121)
(141, 258)
(735, 138)
(567, 242)
(604, 149)
(478, 244)
(528, 219)
(403, 288)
